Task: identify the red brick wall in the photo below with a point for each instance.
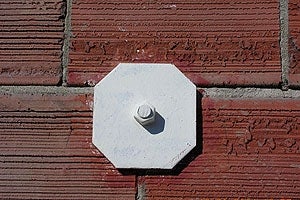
(53, 51)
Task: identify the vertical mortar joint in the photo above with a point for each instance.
(284, 39)
(66, 42)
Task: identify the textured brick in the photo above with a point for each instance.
(46, 151)
(251, 149)
(213, 42)
(294, 42)
(31, 38)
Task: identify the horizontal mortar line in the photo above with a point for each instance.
(211, 92)
(250, 92)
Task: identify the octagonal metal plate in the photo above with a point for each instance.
(125, 142)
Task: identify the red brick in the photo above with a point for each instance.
(294, 42)
(46, 151)
(250, 150)
(213, 42)
(31, 41)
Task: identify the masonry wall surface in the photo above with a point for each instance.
(242, 55)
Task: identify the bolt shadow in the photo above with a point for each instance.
(158, 126)
(192, 155)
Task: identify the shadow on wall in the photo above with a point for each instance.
(186, 160)
(158, 126)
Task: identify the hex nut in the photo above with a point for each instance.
(145, 114)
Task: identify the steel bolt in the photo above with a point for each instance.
(144, 111)
(145, 114)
